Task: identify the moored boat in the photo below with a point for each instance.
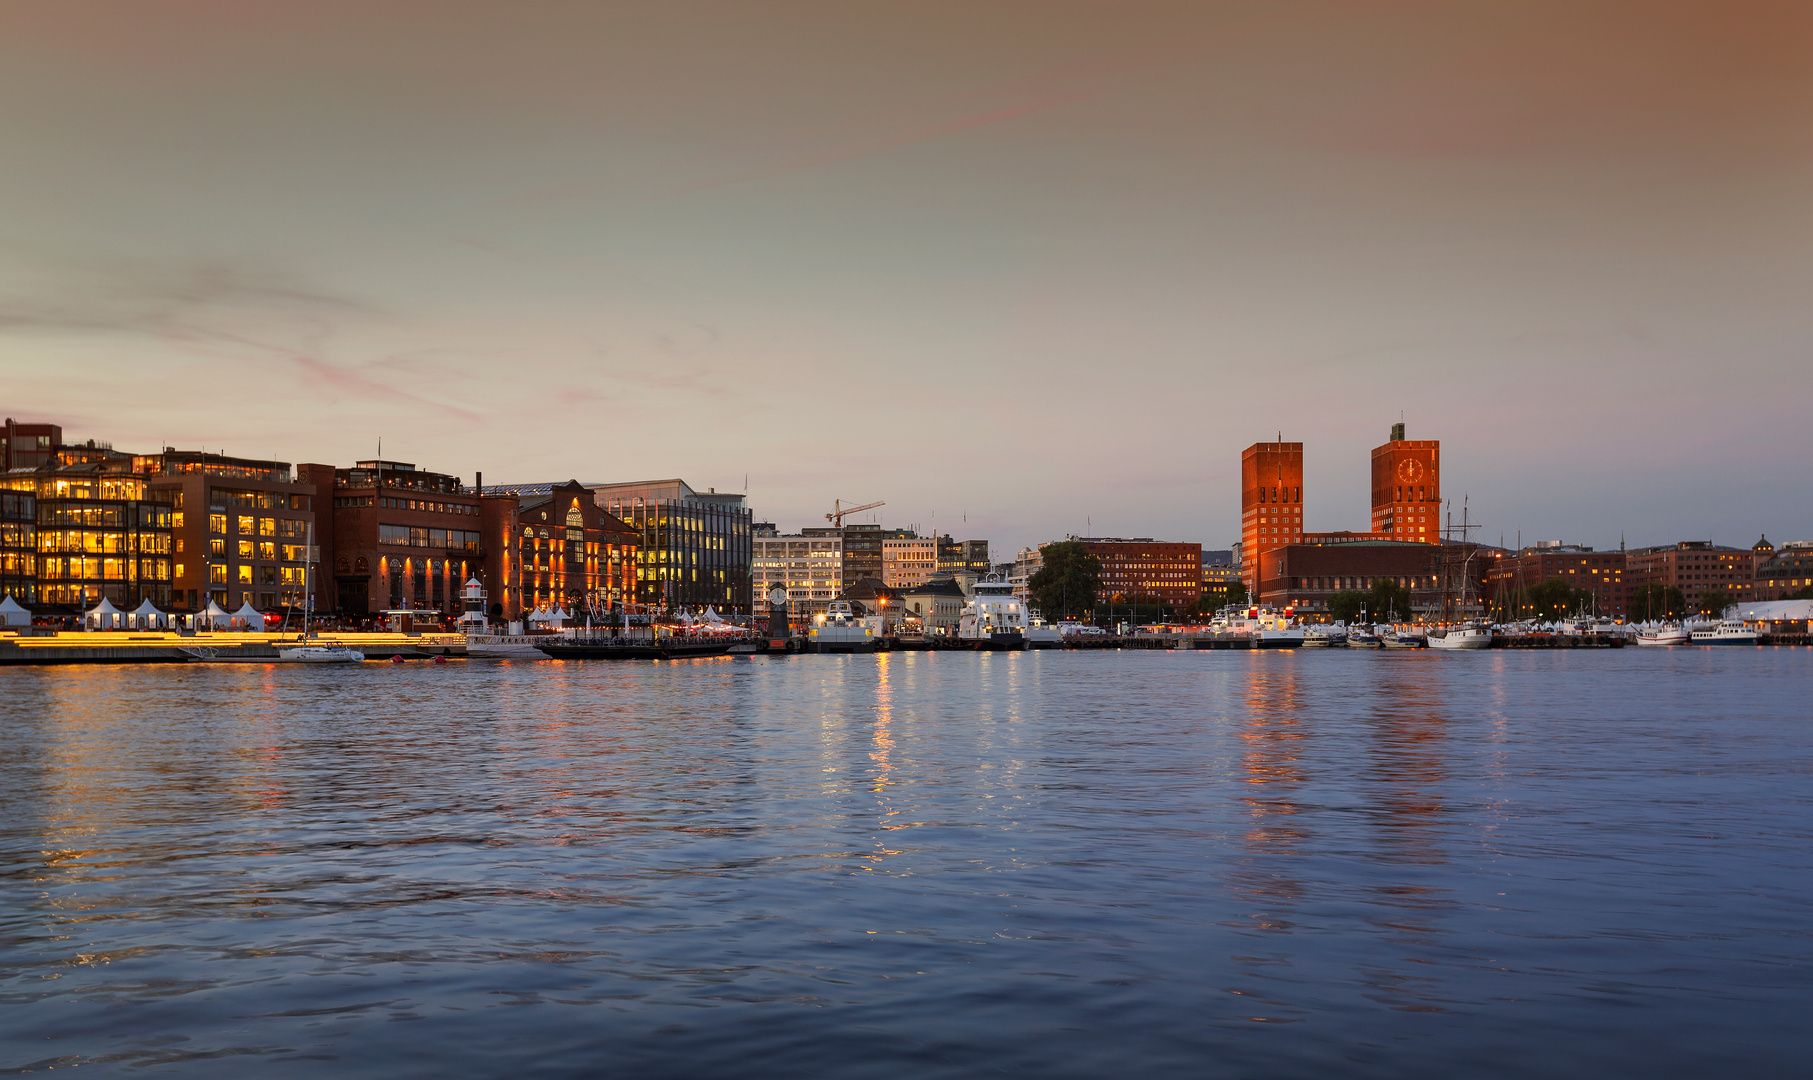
(1469, 635)
(1656, 634)
(1726, 632)
(993, 618)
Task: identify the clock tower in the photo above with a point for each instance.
(1406, 488)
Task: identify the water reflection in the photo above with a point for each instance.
(1170, 865)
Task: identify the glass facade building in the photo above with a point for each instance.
(695, 546)
(97, 534)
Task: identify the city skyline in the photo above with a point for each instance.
(1045, 268)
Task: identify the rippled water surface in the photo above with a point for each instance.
(1045, 864)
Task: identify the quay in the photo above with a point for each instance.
(155, 647)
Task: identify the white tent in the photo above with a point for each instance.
(147, 617)
(543, 615)
(11, 614)
(711, 615)
(249, 617)
(215, 617)
(103, 616)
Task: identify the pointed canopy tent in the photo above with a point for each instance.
(249, 616)
(541, 615)
(104, 616)
(214, 617)
(711, 615)
(147, 617)
(11, 614)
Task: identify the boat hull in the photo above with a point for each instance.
(320, 654)
(635, 650)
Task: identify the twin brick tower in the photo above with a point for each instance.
(1406, 498)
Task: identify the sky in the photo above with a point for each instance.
(1021, 270)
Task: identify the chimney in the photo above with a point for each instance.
(478, 483)
(1397, 432)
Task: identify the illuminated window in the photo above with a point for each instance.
(217, 524)
(247, 524)
(245, 575)
(217, 575)
(267, 550)
(267, 526)
(245, 549)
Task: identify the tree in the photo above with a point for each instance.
(1714, 602)
(1651, 603)
(1556, 599)
(1387, 599)
(1068, 582)
(1805, 592)
(1345, 606)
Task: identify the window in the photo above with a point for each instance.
(245, 574)
(247, 524)
(217, 548)
(245, 549)
(217, 574)
(217, 524)
(267, 550)
(267, 526)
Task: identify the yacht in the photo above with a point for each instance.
(308, 651)
(1726, 632)
(1322, 637)
(1663, 634)
(1401, 639)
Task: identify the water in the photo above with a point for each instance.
(1048, 864)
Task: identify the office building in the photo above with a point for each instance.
(694, 546)
(1142, 570)
(240, 528)
(403, 539)
(1783, 572)
(1696, 567)
(808, 565)
(29, 446)
(100, 533)
(1271, 505)
(1600, 573)
(1406, 488)
(908, 560)
(19, 543)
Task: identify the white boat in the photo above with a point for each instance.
(840, 629)
(1663, 634)
(994, 618)
(1041, 634)
(319, 654)
(1362, 637)
(1322, 637)
(307, 651)
(488, 646)
(1727, 632)
(1470, 635)
(1401, 639)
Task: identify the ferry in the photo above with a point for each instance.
(1727, 632)
(840, 629)
(1263, 627)
(994, 618)
(508, 646)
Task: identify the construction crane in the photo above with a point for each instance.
(836, 516)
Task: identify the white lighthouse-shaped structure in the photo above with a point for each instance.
(472, 608)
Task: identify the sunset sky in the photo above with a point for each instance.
(1019, 269)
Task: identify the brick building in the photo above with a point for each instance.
(1602, 573)
(404, 538)
(1146, 571)
(1406, 488)
(239, 528)
(1695, 567)
(29, 446)
(574, 555)
(1784, 571)
(1271, 506)
(1306, 576)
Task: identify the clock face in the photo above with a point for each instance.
(777, 596)
(1410, 470)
